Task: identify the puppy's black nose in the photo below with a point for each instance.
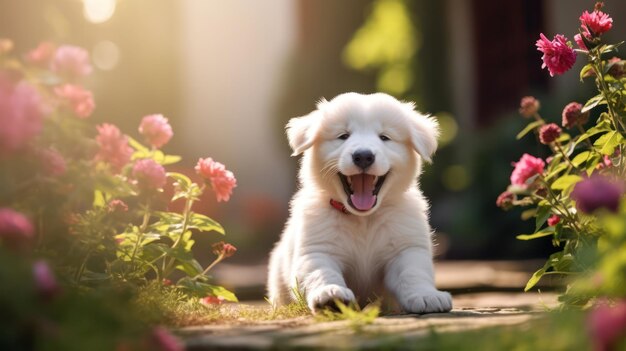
(363, 158)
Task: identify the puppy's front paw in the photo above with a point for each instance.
(427, 301)
(325, 297)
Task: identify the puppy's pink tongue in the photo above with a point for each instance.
(363, 187)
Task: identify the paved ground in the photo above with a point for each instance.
(486, 294)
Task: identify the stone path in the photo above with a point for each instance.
(487, 294)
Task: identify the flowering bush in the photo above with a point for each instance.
(576, 195)
(84, 205)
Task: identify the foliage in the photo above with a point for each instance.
(574, 199)
(356, 317)
(90, 200)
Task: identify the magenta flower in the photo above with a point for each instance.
(156, 130)
(597, 192)
(41, 55)
(212, 300)
(78, 99)
(553, 220)
(580, 42)
(557, 57)
(163, 340)
(16, 231)
(223, 249)
(149, 174)
(21, 114)
(572, 115)
(549, 133)
(607, 324)
(221, 180)
(71, 62)
(597, 22)
(505, 200)
(45, 282)
(117, 205)
(528, 106)
(114, 148)
(527, 167)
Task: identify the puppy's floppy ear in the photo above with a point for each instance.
(301, 132)
(424, 134)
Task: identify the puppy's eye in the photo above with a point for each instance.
(383, 137)
(344, 136)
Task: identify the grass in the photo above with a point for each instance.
(167, 305)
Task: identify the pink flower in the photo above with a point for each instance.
(223, 249)
(114, 148)
(597, 192)
(21, 114)
(528, 106)
(505, 200)
(597, 22)
(549, 133)
(212, 300)
(572, 115)
(53, 162)
(71, 61)
(41, 55)
(222, 180)
(527, 167)
(117, 205)
(558, 57)
(156, 130)
(607, 324)
(149, 174)
(163, 340)
(553, 220)
(580, 42)
(80, 100)
(45, 282)
(16, 231)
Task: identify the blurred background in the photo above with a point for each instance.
(229, 74)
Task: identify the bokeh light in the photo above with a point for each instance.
(449, 128)
(106, 55)
(455, 177)
(99, 11)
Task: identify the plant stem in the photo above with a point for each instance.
(604, 89)
(558, 147)
(142, 231)
(204, 272)
(563, 210)
(187, 216)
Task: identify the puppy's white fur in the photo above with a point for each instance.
(330, 255)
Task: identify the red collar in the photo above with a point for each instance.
(339, 206)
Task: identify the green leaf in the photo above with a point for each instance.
(205, 224)
(565, 181)
(540, 234)
(170, 159)
(586, 69)
(581, 158)
(543, 213)
(535, 278)
(98, 199)
(607, 142)
(137, 145)
(191, 267)
(201, 289)
(555, 172)
(528, 214)
(593, 102)
(528, 128)
(181, 180)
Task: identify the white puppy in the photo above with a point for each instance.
(359, 224)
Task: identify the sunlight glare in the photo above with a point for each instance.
(98, 11)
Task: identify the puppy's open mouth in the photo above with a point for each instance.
(362, 189)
